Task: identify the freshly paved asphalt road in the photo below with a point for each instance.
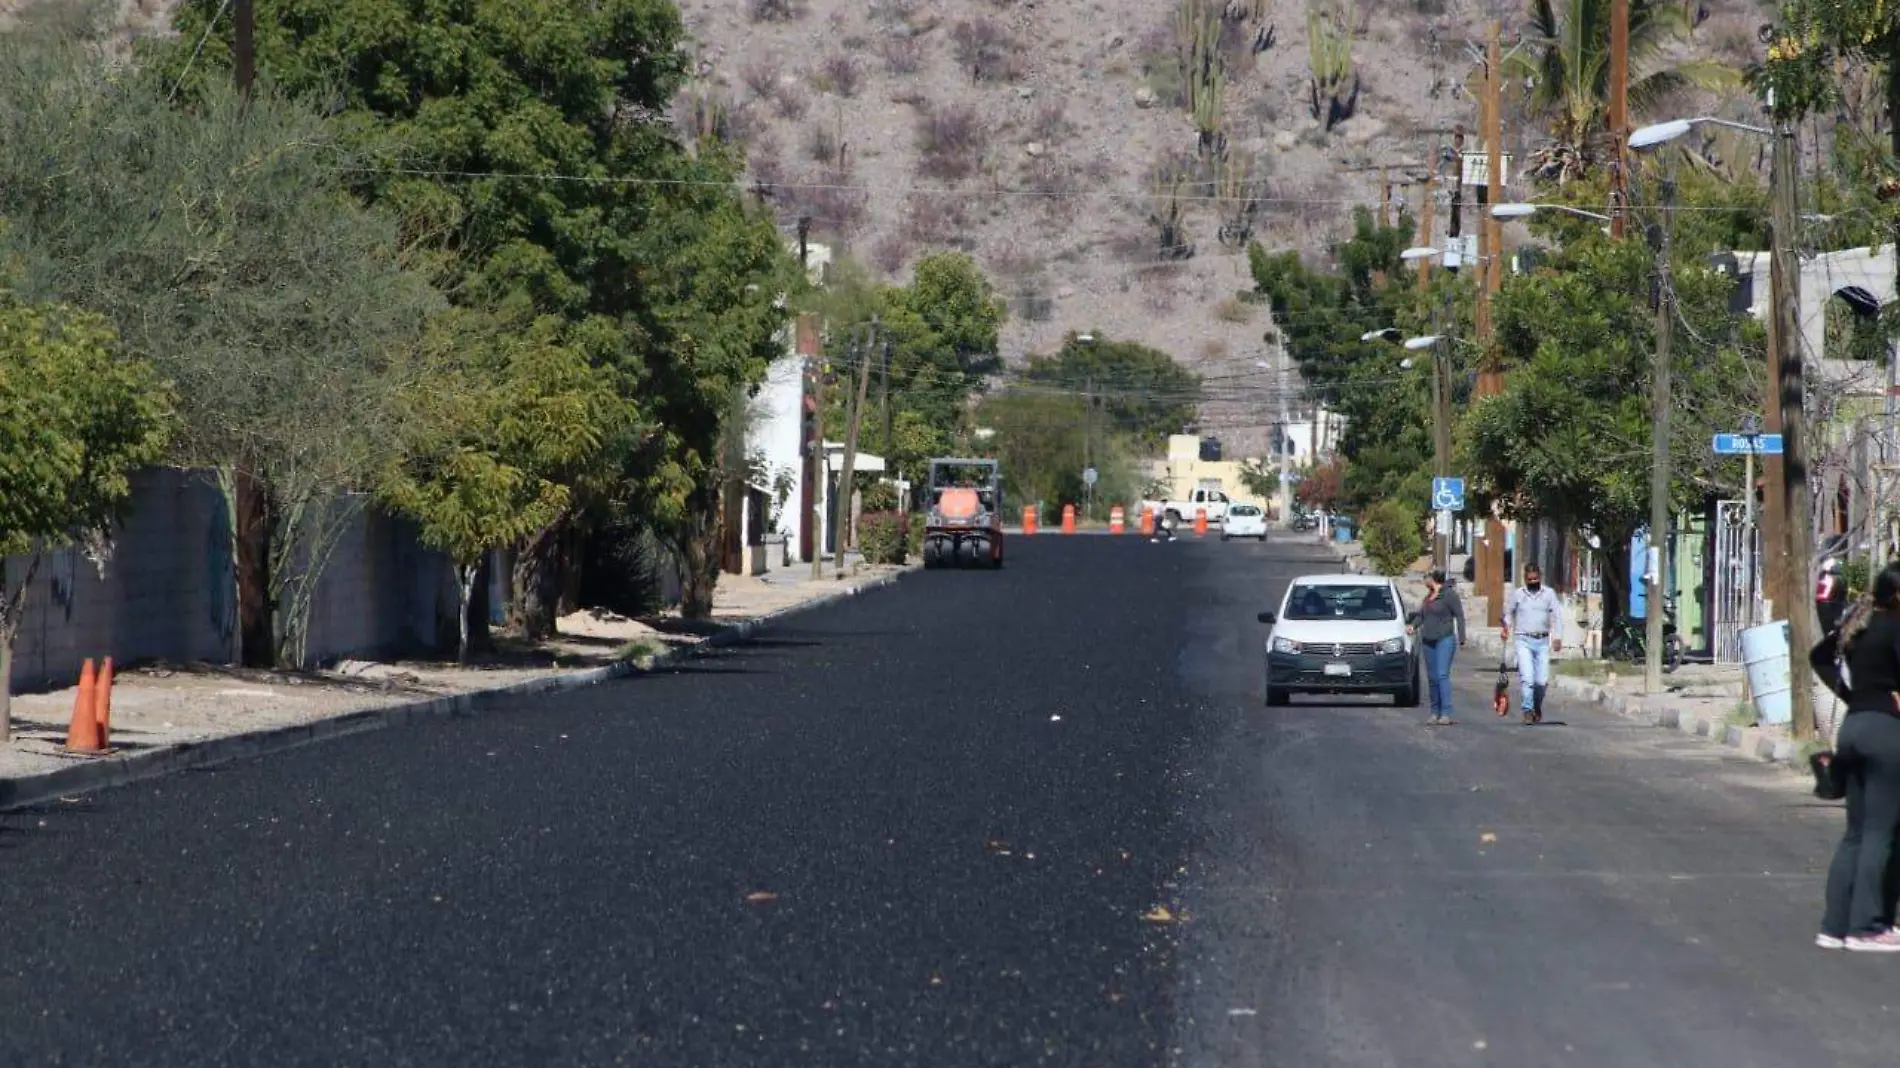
(965, 794)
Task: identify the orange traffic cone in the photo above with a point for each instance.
(1068, 519)
(83, 735)
(1200, 522)
(102, 703)
(1117, 520)
(1147, 521)
(1029, 519)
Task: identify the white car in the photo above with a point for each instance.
(1339, 634)
(1244, 521)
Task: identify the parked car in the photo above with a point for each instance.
(1210, 499)
(1342, 634)
(1244, 521)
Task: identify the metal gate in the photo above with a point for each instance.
(1737, 578)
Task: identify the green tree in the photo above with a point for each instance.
(1043, 446)
(1141, 391)
(76, 418)
(221, 244)
(489, 427)
(1570, 73)
(518, 141)
(1569, 438)
(1393, 535)
(1323, 317)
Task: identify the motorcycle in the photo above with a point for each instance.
(1628, 640)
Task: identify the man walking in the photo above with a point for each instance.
(1536, 617)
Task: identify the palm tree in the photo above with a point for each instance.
(1569, 74)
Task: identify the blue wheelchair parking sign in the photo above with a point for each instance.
(1448, 494)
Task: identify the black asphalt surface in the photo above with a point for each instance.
(929, 827)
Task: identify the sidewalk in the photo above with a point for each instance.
(1701, 700)
(167, 716)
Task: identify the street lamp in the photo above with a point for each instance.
(1659, 462)
(1524, 210)
(1786, 375)
(1441, 409)
(1661, 133)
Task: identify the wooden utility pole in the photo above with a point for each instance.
(244, 48)
(1784, 339)
(1488, 563)
(847, 468)
(1425, 222)
(1619, 117)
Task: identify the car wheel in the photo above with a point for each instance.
(1409, 696)
(1224, 536)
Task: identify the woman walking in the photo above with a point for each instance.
(1867, 763)
(1441, 628)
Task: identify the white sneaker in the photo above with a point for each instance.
(1828, 941)
(1885, 942)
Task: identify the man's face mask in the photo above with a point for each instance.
(1534, 584)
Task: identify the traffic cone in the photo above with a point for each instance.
(1117, 520)
(1147, 521)
(1068, 519)
(1200, 522)
(102, 703)
(1029, 519)
(83, 735)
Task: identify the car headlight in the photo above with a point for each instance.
(1285, 645)
(1392, 645)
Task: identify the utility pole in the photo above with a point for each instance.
(1488, 563)
(244, 47)
(1659, 467)
(1284, 434)
(847, 469)
(1797, 577)
(1619, 113)
(1088, 447)
(1425, 223)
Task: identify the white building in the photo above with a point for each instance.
(791, 499)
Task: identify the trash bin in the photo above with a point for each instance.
(1342, 529)
(1765, 653)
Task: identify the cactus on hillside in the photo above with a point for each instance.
(1237, 192)
(1335, 87)
(1171, 226)
(1198, 33)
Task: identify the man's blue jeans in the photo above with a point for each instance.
(1438, 656)
(1533, 666)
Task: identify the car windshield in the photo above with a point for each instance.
(1243, 510)
(1341, 602)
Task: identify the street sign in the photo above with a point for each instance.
(1748, 444)
(1444, 522)
(1448, 493)
(1089, 476)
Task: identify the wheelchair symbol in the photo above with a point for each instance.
(1445, 499)
(1448, 494)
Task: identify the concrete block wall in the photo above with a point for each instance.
(168, 593)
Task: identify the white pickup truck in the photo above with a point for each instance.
(1213, 499)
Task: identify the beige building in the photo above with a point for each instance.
(1183, 469)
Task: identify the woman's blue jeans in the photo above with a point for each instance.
(1438, 656)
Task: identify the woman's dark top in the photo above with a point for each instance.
(1442, 616)
(1873, 665)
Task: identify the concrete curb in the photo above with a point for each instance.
(89, 774)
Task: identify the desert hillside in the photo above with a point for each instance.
(1058, 141)
(1040, 136)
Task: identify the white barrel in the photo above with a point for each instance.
(1765, 652)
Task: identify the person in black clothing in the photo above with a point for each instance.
(1866, 763)
(1441, 630)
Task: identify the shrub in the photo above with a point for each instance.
(835, 205)
(822, 144)
(788, 102)
(1233, 310)
(839, 73)
(914, 539)
(938, 221)
(891, 253)
(883, 537)
(1393, 535)
(951, 142)
(773, 10)
(761, 79)
(902, 55)
(985, 49)
(1051, 123)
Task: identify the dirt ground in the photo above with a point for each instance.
(160, 704)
